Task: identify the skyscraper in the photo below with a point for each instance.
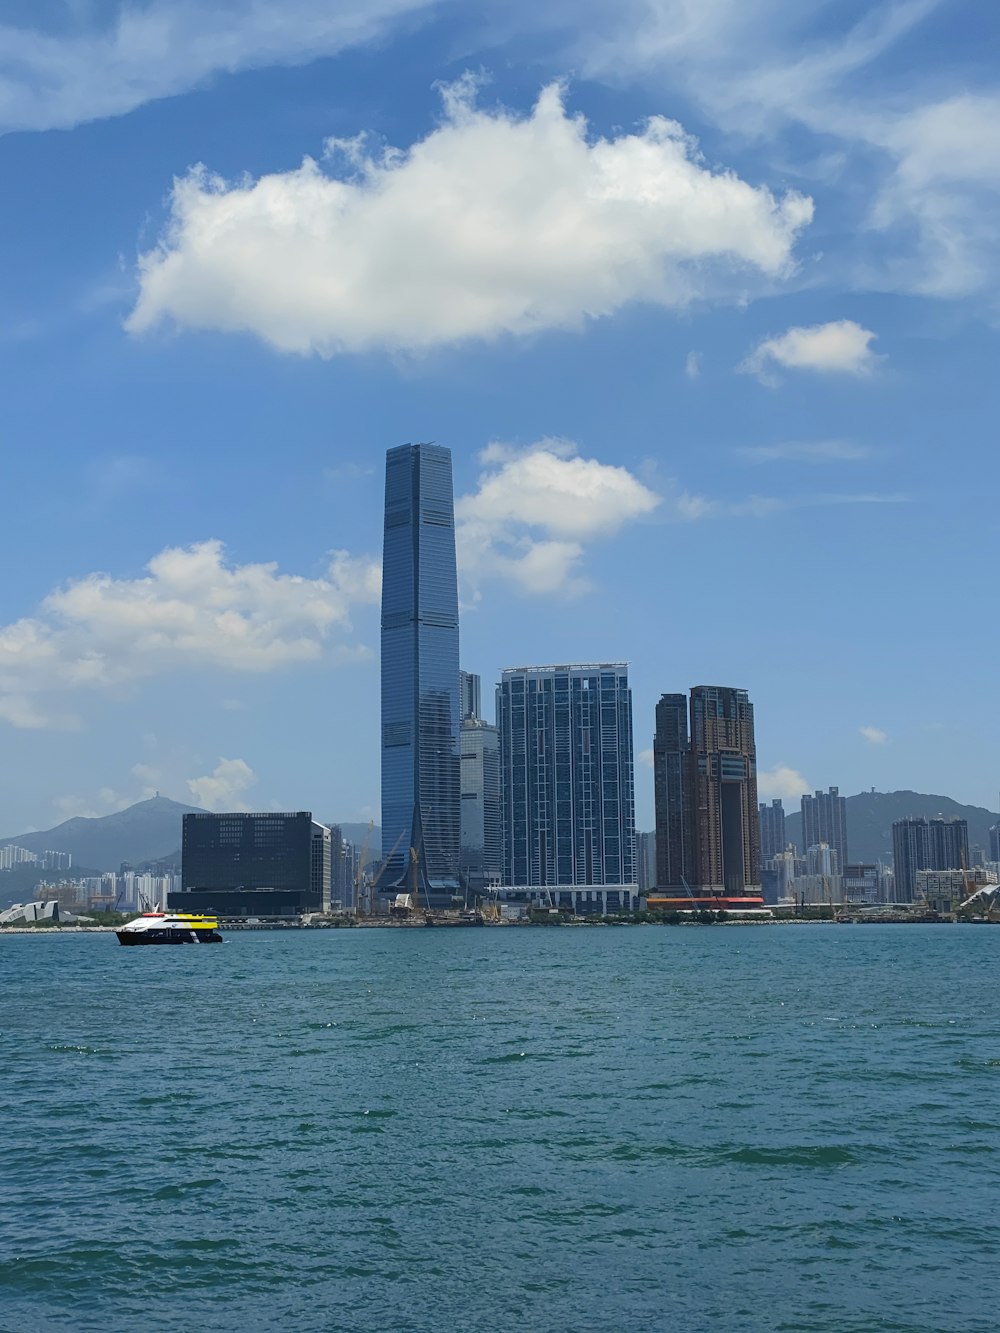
(480, 863)
(772, 830)
(824, 819)
(705, 788)
(724, 779)
(420, 676)
(567, 798)
(672, 791)
(469, 704)
(926, 844)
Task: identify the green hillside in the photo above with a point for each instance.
(871, 814)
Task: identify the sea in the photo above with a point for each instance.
(550, 1130)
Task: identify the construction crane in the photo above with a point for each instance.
(359, 874)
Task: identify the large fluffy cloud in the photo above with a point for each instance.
(191, 608)
(534, 511)
(494, 223)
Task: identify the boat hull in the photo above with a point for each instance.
(130, 937)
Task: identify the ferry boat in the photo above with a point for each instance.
(171, 928)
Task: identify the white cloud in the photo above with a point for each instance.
(493, 224)
(874, 735)
(534, 511)
(840, 347)
(921, 159)
(805, 451)
(191, 608)
(781, 781)
(692, 365)
(945, 192)
(52, 77)
(224, 787)
(646, 758)
(104, 802)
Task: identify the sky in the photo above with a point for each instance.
(701, 294)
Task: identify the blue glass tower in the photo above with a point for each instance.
(567, 797)
(421, 804)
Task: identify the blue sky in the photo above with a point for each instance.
(702, 296)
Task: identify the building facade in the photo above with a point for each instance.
(926, 844)
(421, 806)
(705, 791)
(480, 863)
(824, 819)
(469, 695)
(567, 783)
(645, 861)
(254, 864)
(672, 792)
(772, 830)
(724, 776)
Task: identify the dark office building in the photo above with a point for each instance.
(254, 865)
(824, 819)
(772, 830)
(705, 788)
(926, 844)
(421, 804)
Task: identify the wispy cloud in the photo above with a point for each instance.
(112, 59)
(807, 79)
(874, 735)
(692, 365)
(805, 451)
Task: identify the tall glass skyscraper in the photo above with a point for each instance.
(421, 805)
(567, 798)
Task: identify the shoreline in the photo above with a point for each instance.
(420, 925)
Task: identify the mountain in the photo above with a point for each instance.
(871, 814)
(358, 834)
(147, 831)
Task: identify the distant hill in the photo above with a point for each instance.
(147, 831)
(358, 833)
(871, 814)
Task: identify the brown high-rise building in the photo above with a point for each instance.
(707, 826)
(672, 791)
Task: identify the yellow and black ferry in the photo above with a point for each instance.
(171, 928)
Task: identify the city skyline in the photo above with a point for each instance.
(678, 316)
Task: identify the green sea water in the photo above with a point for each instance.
(785, 1128)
